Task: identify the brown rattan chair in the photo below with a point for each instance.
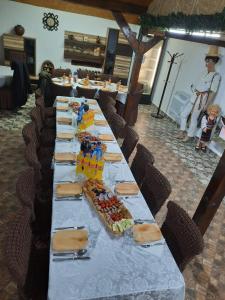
(60, 90)
(27, 264)
(142, 158)
(60, 72)
(155, 188)
(130, 142)
(108, 110)
(48, 114)
(45, 136)
(182, 235)
(30, 136)
(106, 97)
(117, 124)
(25, 189)
(87, 93)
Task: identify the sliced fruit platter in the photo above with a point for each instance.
(111, 210)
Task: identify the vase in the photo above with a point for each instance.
(19, 30)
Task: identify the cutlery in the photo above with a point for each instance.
(64, 140)
(153, 244)
(124, 181)
(70, 227)
(65, 181)
(141, 221)
(65, 163)
(70, 258)
(68, 199)
(79, 253)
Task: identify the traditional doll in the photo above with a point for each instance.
(208, 122)
(203, 95)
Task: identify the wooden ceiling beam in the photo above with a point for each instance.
(125, 28)
(114, 5)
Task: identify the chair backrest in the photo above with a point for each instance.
(108, 110)
(142, 158)
(105, 101)
(105, 95)
(18, 246)
(130, 142)
(29, 134)
(182, 235)
(60, 90)
(32, 160)
(155, 188)
(61, 72)
(35, 115)
(83, 74)
(25, 189)
(117, 124)
(41, 104)
(87, 93)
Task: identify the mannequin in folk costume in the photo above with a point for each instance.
(208, 123)
(203, 95)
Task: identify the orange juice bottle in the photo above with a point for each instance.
(79, 163)
(100, 166)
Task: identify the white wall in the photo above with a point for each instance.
(187, 70)
(49, 44)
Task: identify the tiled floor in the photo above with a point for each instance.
(188, 172)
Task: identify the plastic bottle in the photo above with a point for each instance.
(75, 76)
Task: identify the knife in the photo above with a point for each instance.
(70, 258)
(69, 227)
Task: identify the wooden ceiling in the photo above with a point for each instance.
(131, 9)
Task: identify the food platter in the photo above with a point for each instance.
(110, 209)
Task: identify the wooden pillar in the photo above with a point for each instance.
(140, 48)
(134, 93)
(212, 198)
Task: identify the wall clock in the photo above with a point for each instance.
(50, 21)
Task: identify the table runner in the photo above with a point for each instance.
(117, 269)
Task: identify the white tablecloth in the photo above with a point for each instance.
(118, 269)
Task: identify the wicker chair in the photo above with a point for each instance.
(108, 110)
(30, 136)
(106, 97)
(60, 72)
(46, 137)
(182, 235)
(87, 93)
(155, 188)
(130, 142)
(60, 90)
(27, 265)
(25, 189)
(47, 113)
(117, 125)
(142, 158)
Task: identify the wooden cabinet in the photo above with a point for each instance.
(84, 49)
(20, 48)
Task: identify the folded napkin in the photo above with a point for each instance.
(92, 101)
(65, 121)
(65, 135)
(65, 156)
(62, 108)
(100, 122)
(127, 188)
(68, 189)
(63, 100)
(112, 156)
(146, 233)
(97, 111)
(69, 240)
(106, 137)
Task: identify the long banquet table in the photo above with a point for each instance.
(98, 85)
(118, 269)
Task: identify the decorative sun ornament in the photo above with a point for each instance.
(50, 21)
